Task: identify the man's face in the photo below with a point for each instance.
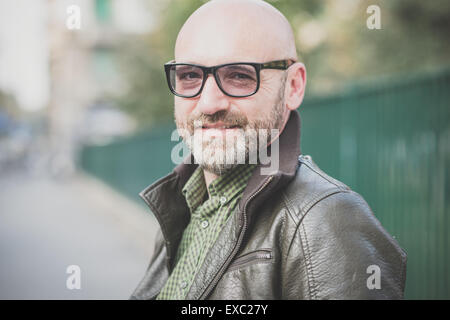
(220, 138)
(212, 120)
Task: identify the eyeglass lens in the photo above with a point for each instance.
(235, 80)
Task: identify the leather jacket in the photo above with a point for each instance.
(296, 234)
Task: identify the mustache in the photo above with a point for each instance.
(227, 117)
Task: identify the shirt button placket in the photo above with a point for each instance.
(205, 224)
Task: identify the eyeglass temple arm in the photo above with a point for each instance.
(279, 64)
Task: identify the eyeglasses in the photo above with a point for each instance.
(238, 79)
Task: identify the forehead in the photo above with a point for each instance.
(224, 40)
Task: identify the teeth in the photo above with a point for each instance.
(221, 127)
(228, 127)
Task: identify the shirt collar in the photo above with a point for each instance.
(224, 188)
(194, 190)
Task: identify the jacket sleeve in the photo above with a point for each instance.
(341, 251)
(156, 273)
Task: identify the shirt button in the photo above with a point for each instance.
(223, 200)
(205, 224)
(183, 285)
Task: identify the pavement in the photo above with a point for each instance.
(47, 225)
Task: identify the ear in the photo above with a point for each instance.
(295, 85)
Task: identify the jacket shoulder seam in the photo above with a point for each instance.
(290, 207)
(319, 197)
(308, 262)
(303, 206)
(325, 176)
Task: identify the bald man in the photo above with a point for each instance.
(247, 216)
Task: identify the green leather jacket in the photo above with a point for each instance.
(296, 234)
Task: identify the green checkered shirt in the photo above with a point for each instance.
(207, 219)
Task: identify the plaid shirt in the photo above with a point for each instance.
(207, 219)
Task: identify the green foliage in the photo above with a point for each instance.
(147, 99)
(8, 104)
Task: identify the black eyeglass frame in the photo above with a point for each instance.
(278, 65)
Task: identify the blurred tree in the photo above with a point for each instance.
(332, 38)
(8, 105)
(147, 98)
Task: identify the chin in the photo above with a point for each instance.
(219, 160)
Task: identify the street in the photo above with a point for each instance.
(47, 225)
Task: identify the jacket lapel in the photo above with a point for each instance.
(169, 206)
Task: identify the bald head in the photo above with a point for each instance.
(224, 31)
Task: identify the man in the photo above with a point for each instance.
(230, 231)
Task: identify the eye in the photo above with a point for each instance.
(189, 76)
(240, 76)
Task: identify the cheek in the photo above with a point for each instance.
(256, 108)
(183, 108)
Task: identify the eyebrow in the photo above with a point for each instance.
(185, 67)
(239, 67)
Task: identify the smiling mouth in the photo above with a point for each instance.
(219, 126)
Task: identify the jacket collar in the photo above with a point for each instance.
(168, 204)
(265, 185)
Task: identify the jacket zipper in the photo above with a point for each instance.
(236, 248)
(262, 254)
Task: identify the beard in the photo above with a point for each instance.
(219, 154)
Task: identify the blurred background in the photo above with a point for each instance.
(86, 117)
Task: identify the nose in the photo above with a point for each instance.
(212, 99)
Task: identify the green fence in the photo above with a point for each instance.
(390, 142)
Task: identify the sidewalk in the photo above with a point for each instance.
(47, 225)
